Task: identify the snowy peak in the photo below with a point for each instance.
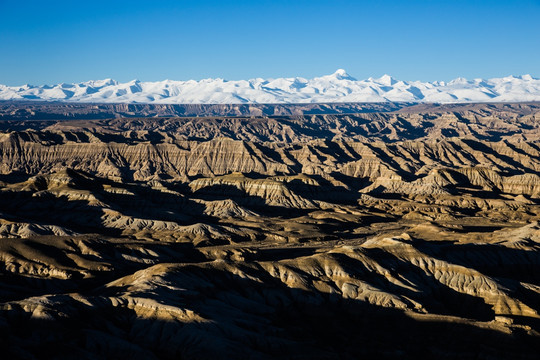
(341, 74)
(100, 83)
(387, 80)
(336, 87)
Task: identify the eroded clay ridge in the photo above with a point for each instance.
(430, 166)
(411, 235)
(358, 122)
(32, 110)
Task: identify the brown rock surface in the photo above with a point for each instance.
(407, 234)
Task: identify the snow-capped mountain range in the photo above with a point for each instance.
(337, 87)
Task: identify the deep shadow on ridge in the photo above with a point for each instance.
(287, 323)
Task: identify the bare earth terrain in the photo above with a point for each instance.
(316, 231)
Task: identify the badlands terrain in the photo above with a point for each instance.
(315, 231)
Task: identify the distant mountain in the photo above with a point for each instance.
(337, 87)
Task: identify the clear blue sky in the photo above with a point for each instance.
(48, 42)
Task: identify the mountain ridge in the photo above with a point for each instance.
(337, 87)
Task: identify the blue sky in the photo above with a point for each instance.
(48, 42)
